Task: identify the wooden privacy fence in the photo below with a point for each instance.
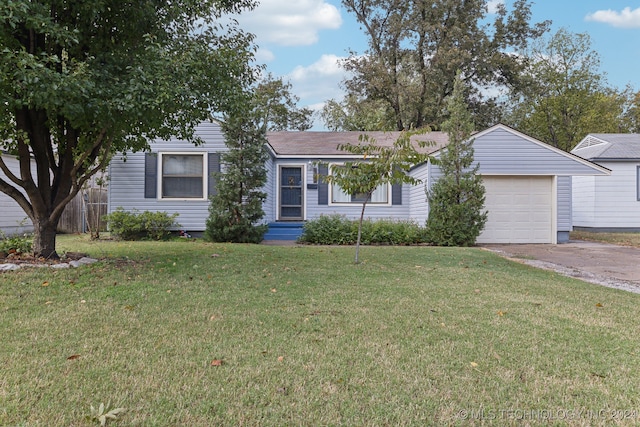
(85, 212)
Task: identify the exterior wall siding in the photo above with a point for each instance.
(418, 204)
(503, 153)
(583, 200)
(564, 209)
(127, 179)
(564, 204)
(608, 202)
(13, 219)
(270, 188)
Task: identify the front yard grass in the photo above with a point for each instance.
(200, 334)
(625, 239)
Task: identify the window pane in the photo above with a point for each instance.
(182, 176)
(175, 164)
(339, 196)
(182, 188)
(380, 194)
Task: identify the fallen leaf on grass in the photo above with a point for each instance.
(501, 313)
(48, 302)
(274, 290)
(280, 358)
(217, 362)
(45, 283)
(599, 305)
(474, 364)
(73, 357)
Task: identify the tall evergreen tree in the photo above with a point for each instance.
(236, 208)
(456, 199)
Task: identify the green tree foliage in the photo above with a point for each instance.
(80, 80)
(354, 113)
(379, 165)
(417, 46)
(456, 199)
(565, 96)
(236, 208)
(278, 106)
(632, 115)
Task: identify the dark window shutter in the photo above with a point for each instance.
(150, 175)
(396, 194)
(214, 167)
(323, 187)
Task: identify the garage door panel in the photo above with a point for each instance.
(520, 210)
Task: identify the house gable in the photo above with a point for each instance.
(501, 150)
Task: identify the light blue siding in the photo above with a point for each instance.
(13, 219)
(269, 206)
(418, 204)
(126, 184)
(564, 208)
(503, 152)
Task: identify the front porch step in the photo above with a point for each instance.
(284, 231)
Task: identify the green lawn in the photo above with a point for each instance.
(626, 239)
(411, 336)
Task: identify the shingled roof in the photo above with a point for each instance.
(609, 146)
(325, 144)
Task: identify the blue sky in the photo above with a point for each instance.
(303, 40)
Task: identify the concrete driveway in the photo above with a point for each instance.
(605, 264)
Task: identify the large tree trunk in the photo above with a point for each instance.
(44, 239)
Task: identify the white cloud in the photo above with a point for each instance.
(290, 23)
(492, 5)
(626, 18)
(264, 55)
(319, 81)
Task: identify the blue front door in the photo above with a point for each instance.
(291, 193)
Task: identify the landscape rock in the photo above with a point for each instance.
(9, 267)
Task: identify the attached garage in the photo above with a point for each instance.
(528, 186)
(521, 209)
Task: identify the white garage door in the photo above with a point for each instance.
(520, 210)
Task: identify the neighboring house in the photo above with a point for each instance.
(528, 182)
(13, 219)
(608, 203)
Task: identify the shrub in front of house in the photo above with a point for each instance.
(20, 244)
(134, 225)
(339, 230)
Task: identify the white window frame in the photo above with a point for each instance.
(351, 202)
(205, 180)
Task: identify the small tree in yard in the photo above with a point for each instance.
(379, 165)
(456, 200)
